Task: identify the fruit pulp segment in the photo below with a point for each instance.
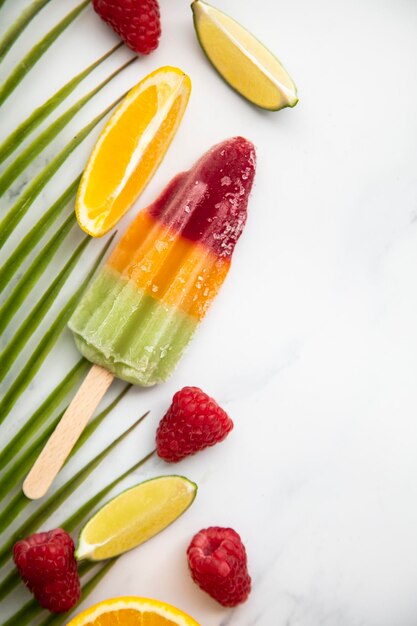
(109, 171)
(130, 148)
(128, 332)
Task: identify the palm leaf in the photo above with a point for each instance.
(37, 314)
(45, 345)
(22, 205)
(42, 413)
(19, 501)
(35, 234)
(13, 141)
(19, 25)
(12, 580)
(37, 51)
(33, 149)
(38, 517)
(32, 274)
(22, 465)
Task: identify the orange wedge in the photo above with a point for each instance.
(130, 148)
(132, 611)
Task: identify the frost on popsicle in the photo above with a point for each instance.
(144, 307)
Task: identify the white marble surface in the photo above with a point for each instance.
(312, 344)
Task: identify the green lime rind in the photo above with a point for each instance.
(29, 279)
(46, 344)
(194, 6)
(33, 56)
(26, 157)
(25, 331)
(19, 25)
(22, 205)
(22, 464)
(42, 414)
(35, 234)
(13, 141)
(32, 609)
(82, 553)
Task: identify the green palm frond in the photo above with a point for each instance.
(13, 141)
(77, 518)
(22, 205)
(19, 501)
(40, 515)
(37, 51)
(19, 25)
(22, 464)
(16, 344)
(35, 234)
(45, 345)
(42, 414)
(37, 145)
(33, 273)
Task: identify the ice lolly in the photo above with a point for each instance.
(140, 313)
(142, 310)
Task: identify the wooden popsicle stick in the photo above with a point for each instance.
(67, 432)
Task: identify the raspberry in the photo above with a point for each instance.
(193, 422)
(47, 566)
(218, 564)
(137, 22)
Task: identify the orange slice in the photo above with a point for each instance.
(130, 148)
(132, 611)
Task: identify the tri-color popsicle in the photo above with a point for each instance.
(140, 313)
(145, 305)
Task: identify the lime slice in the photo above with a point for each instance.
(135, 516)
(243, 62)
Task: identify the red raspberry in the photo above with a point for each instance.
(47, 566)
(137, 22)
(193, 422)
(218, 564)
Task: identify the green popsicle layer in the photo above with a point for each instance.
(126, 331)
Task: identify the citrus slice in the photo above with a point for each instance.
(242, 60)
(135, 516)
(130, 148)
(132, 611)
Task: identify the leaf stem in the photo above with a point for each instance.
(26, 157)
(23, 67)
(45, 345)
(22, 465)
(21, 337)
(35, 234)
(32, 274)
(42, 413)
(13, 141)
(22, 205)
(12, 580)
(34, 521)
(19, 25)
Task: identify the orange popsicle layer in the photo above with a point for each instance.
(173, 270)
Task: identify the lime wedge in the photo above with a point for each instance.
(135, 516)
(242, 60)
